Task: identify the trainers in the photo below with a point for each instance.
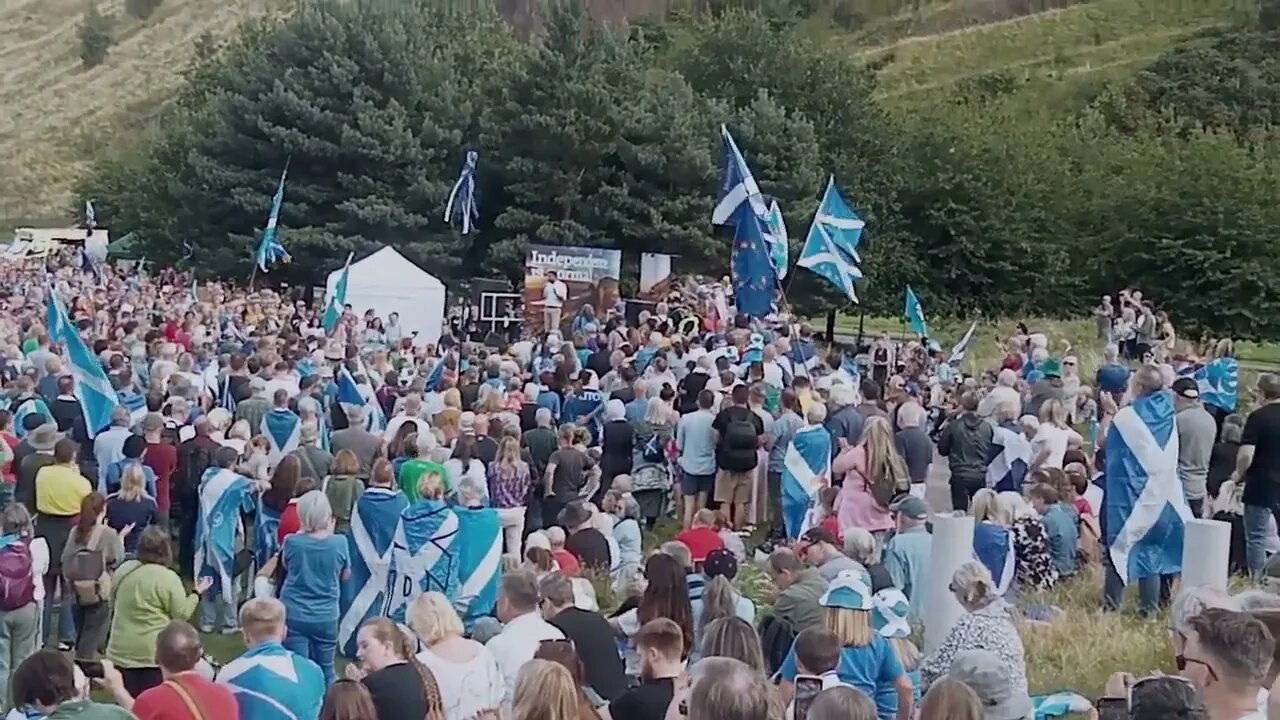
(66, 646)
(206, 629)
(231, 631)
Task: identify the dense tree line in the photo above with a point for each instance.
(610, 137)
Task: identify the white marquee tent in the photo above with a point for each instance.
(388, 282)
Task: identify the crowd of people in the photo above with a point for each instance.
(472, 527)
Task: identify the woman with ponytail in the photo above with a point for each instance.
(402, 688)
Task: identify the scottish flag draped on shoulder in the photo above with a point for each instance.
(350, 393)
(914, 312)
(1146, 510)
(462, 198)
(424, 554)
(283, 429)
(1219, 380)
(92, 387)
(333, 309)
(738, 186)
(270, 249)
(807, 461)
(34, 405)
(372, 584)
(223, 495)
(993, 547)
(830, 248)
(271, 683)
(1009, 459)
(479, 562)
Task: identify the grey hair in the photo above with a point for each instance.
(1149, 379)
(911, 415)
(1191, 601)
(973, 586)
(861, 545)
(1110, 352)
(1007, 378)
(314, 511)
(1255, 599)
(817, 413)
(843, 395)
(679, 551)
(16, 520)
(630, 508)
(470, 494)
(542, 417)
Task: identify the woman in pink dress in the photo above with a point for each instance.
(875, 460)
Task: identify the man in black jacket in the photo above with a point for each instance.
(966, 443)
(590, 634)
(194, 457)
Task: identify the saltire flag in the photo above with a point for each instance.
(776, 236)
(92, 386)
(265, 532)
(283, 429)
(333, 309)
(271, 683)
(90, 217)
(914, 313)
(270, 249)
(755, 284)
(1009, 458)
(464, 195)
(993, 547)
(367, 593)
(738, 186)
(31, 406)
(1146, 510)
(224, 494)
(807, 462)
(849, 366)
(830, 248)
(434, 377)
(1219, 381)
(962, 347)
(479, 563)
(135, 402)
(424, 555)
(351, 393)
(187, 249)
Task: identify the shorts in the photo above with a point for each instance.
(692, 484)
(734, 487)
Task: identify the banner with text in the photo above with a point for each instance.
(590, 275)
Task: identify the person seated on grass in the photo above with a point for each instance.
(986, 625)
(950, 699)
(842, 703)
(1061, 525)
(701, 537)
(984, 672)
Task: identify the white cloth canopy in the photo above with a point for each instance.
(388, 282)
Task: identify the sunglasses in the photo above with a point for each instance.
(1182, 661)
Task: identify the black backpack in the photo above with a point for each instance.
(740, 434)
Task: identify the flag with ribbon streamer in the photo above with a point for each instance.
(270, 249)
(462, 198)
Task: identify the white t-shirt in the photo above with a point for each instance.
(1055, 439)
(39, 565)
(469, 688)
(553, 294)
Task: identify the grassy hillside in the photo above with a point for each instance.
(55, 115)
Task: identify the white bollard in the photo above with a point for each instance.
(1206, 553)
(952, 547)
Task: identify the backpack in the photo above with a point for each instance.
(87, 572)
(740, 434)
(17, 587)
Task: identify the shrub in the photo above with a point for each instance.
(141, 9)
(95, 37)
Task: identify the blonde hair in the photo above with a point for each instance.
(509, 454)
(950, 699)
(852, 627)
(262, 619)
(1054, 413)
(988, 508)
(544, 691)
(972, 585)
(908, 654)
(389, 633)
(132, 481)
(433, 618)
(884, 465)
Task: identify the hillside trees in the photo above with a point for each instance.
(95, 36)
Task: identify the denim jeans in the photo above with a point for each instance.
(1256, 534)
(66, 623)
(314, 639)
(209, 609)
(1153, 591)
(18, 629)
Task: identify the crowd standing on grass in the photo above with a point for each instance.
(466, 521)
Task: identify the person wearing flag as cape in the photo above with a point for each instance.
(223, 496)
(374, 520)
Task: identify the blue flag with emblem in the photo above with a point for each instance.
(1008, 459)
(807, 461)
(993, 547)
(424, 554)
(223, 495)
(738, 188)
(1219, 381)
(831, 247)
(914, 313)
(462, 198)
(755, 284)
(368, 592)
(333, 308)
(270, 249)
(479, 562)
(283, 429)
(271, 683)
(1146, 510)
(776, 236)
(92, 387)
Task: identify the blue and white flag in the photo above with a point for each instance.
(92, 386)
(187, 250)
(424, 554)
(962, 347)
(434, 377)
(337, 301)
(266, 529)
(1009, 458)
(351, 393)
(776, 236)
(479, 562)
(270, 249)
(271, 683)
(1059, 704)
(135, 402)
(1219, 380)
(1146, 510)
(55, 316)
(738, 187)
(755, 284)
(283, 429)
(311, 404)
(90, 217)
(226, 400)
(193, 294)
(462, 198)
(807, 462)
(373, 582)
(830, 248)
(914, 313)
(34, 405)
(993, 547)
(224, 494)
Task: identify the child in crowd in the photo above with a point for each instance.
(1061, 525)
(889, 613)
(817, 655)
(565, 560)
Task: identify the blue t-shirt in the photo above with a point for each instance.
(313, 569)
(872, 668)
(1113, 378)
(1061, 523)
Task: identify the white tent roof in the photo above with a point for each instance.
(386, 272)
(388, 282)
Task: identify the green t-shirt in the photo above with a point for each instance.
(413, 470)
(343, 491)
(29, 346)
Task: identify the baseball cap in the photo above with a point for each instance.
(982, 671)
(851, 590)
(720, 562)
(1186, 388)
(889, 610)
(911, 506)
